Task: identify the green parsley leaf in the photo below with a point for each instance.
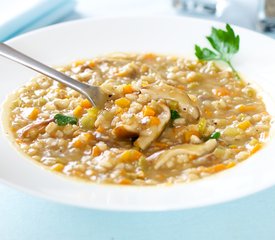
(215, 135)
(225, 44)
(63, 120)
(205, 54)
(174, 114)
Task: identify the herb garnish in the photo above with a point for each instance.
(215, 135)
(63, 120)
(226, 44)
(174, 114)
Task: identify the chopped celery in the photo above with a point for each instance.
(202, 125)
(88, 120)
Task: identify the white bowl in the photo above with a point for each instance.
(63, 43)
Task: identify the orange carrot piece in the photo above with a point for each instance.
(86, 103)
(256, 148)
(96, 151)
(100, 129)
(246, 108)
(154, 121)
(78, 111)
(216, 168)
(148, 111)
(78, 144)
(187, 135)
(244, 125)
(123, 102)
(181, 87)
(92, 63)
(208, 113)
(128, 89)
(221, 91)
(125, 181)
(33, 114)
(149, 56)
(130, 155)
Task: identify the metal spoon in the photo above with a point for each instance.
(94, 94)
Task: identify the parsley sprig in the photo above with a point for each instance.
(174, 114)
(215, 135)
(63, 120)
(225, 44)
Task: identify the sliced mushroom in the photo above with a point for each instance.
(163, 156)
(165, 91)
(148, 135)
(39, 124)
(125, 131)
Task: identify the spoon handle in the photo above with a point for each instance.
(14, 55)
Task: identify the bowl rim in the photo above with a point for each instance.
(130, 207)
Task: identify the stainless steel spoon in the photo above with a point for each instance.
(94, 94)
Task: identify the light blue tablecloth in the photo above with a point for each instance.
(24, 217)
(17, 16)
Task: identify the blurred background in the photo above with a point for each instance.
(17, 16)
(25, 217)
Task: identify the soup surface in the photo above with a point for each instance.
(167, 120)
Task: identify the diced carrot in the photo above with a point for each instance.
(130, 155)
(128, 89)
(256, 148)
(188, 134)
(244, 125)
(160, 144)
(78, 144)
(232, 117)
(76, 172)
(96, 151)
(78, 63)
(86, 103)
(246, 108)
(192, 157)
(230, 165)
(88, 137)
(216, 168)
(19, 141)
(221, 91)
(119, 110)
(144, 68)
(92, 63)
(125, 181)
(78, 111)
(220, 167)
(123, 102)
(208, 113)
(154, 121)
(33, 114)
(149, 56)
(100, 129)
(57, 167)
(148, 111)
(181, 87)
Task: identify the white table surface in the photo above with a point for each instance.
(26, 217)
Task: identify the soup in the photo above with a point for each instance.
(168, 120)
